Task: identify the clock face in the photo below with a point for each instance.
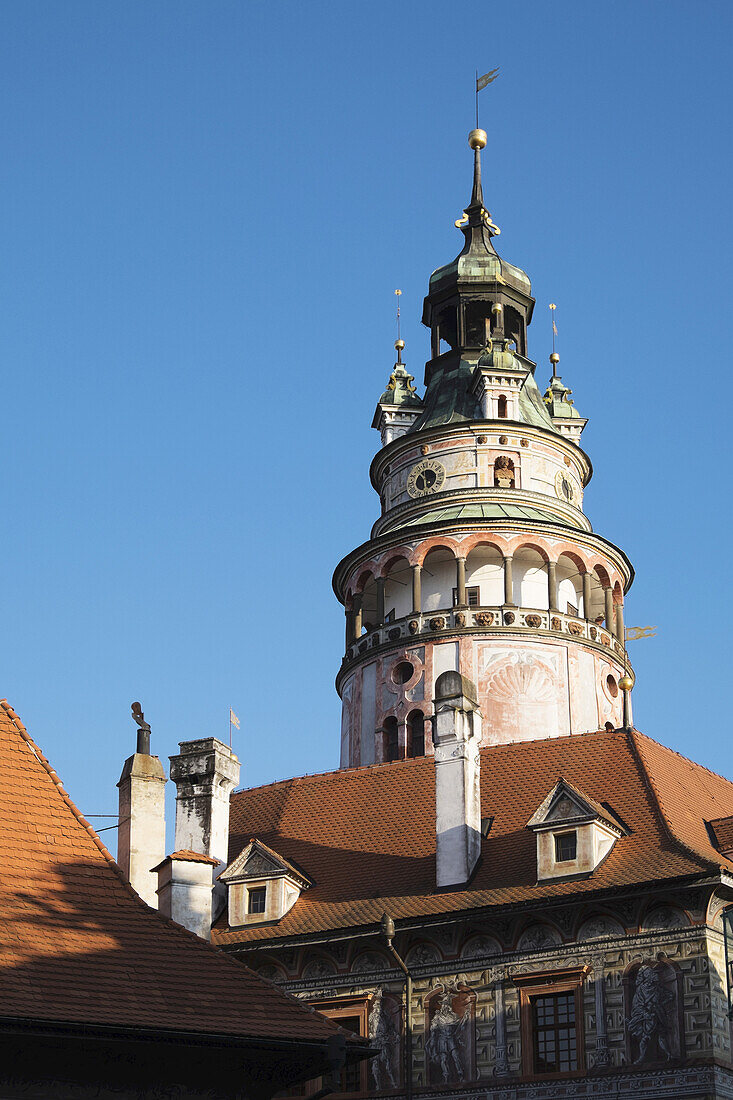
(425, 478)
(564, 487)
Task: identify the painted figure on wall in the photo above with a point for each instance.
(384, 1032)
(652, 999)
(449, 1040)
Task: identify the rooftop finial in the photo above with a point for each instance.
(554, 357)
(399, 342)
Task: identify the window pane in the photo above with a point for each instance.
(257, 899)
(553, 1020)
(566, 847)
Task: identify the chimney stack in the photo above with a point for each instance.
(141, 832)
(205, 773)
(456, 737)
(184, 890)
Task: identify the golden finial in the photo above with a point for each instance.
(477, 139)
(626, 683)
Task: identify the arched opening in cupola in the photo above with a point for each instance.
(501, 407)
(570, 585)
(397, 590)
(514, 328)
(485, 575)
(530, 579)
(391, 742)
(416, 733)
(438, 579)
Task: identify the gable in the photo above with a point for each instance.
(566, 802)
(256, 860)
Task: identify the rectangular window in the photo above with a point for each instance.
(472, 597)
(566, 847)
(351, 1013)
(555, 1039)
(551, 1020)
(256, 899)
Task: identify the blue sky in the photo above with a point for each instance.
(205, 210)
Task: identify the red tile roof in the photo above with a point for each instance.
(367, 835)
(185, 854)
(77, 945)
(722, 830)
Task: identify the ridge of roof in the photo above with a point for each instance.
(635, 737)
(412, 761)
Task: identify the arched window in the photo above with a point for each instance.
(416, 733)
(391, 741)
(501, 412)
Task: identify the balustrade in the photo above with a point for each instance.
(504, 617)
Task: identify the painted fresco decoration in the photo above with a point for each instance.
(449, 1040)
(653, 1003)
(385, 1032)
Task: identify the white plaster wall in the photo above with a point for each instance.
(368, 712)
(469, 464)
(445, 659)
(582, 679)
(529, 577)
(398, 590)
(347, 719)
(484, 567)
(438, 581)
(569, 585)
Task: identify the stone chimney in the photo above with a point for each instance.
(456, 737)
(141, 832)
(184, 890)
(205, 773)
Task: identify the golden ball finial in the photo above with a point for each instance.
(477, 139)
(555, 358)
(399, 345)
(626, 683)
(497, 307)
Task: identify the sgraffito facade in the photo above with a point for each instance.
(627, 999)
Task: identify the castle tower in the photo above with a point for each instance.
(482, 561)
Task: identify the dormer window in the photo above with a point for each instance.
(261, 885)
(566, 847)
(256, 898)
(574, 833)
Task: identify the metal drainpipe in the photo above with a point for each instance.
(388, 931)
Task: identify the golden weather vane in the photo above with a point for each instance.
(633, 633)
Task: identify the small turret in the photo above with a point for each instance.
(399, 406)
(563, 413)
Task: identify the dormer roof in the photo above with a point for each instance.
(257, 861)
(567, 805)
